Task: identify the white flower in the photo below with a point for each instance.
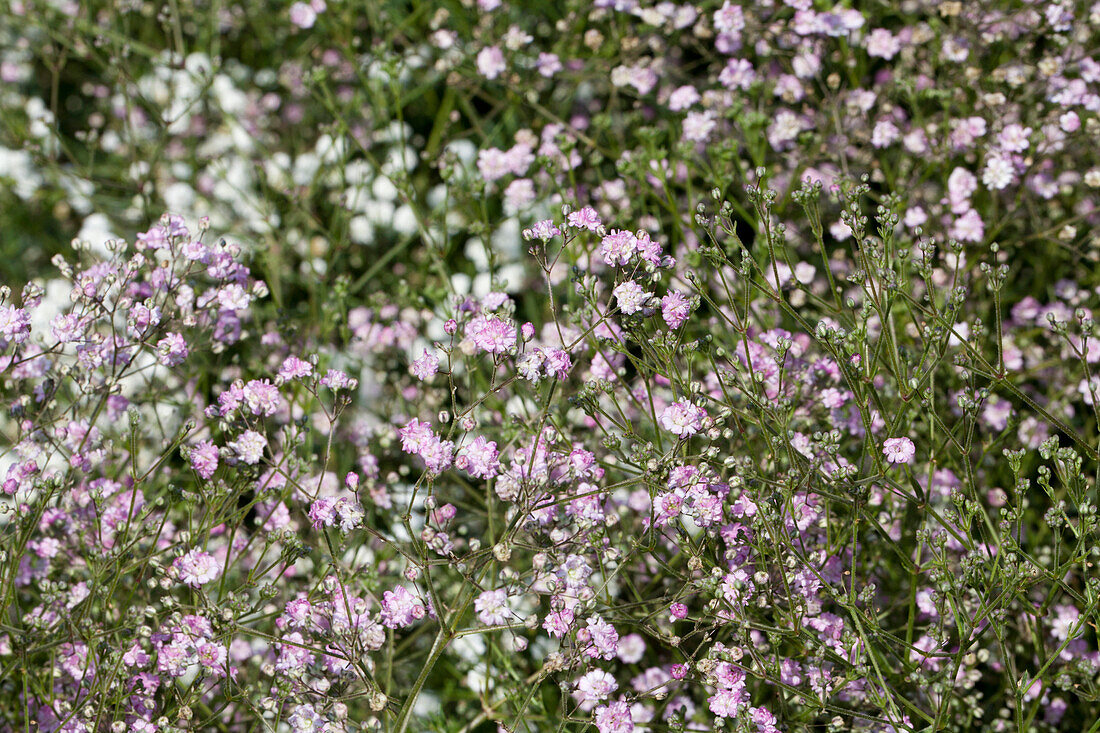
(630, 296)
(998, 172)
(249, 447)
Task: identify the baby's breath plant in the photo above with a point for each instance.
(616, 366)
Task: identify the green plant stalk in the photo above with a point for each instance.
(405, 714)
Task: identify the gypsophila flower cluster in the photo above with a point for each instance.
(620, 366)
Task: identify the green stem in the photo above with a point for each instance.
(405, 713)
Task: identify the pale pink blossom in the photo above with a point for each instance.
(898, 450)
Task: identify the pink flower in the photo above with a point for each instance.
(631, 648)
(196, 568)
(585, 218)
(302, 15)
(204, 459)
(961, 185)
(492, 607)
(683, 419)
(492, 334)
(548, 64)
(479, 458)
(418, 437)
(295, 368)
(233, 298)
(490, 62)
(675, 308)
(322, 513)
(738, 74)
(424, 367)
(415, 435)
(349, 512)
(558, 623)
(557, 363)
(141, 319)
(174, 659)
(15, 324)
(172, 350)
(727, 703)
(898, 450)
(618, 247)
(135, 657)
(493, 164)
(683, 98)
(601, 637)
(1013, 138)
(262, 397)
(614, 718)
(543, 230)
(594, 686)
(337, 380)
(249, 447)
(438, 454)
(698, 126)
(882, 43)
(998, 172)
(212, 656)
(969, 227)
(729, 18)
(764, 719)
(68, 327)
(400, 608)
(305, 718)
